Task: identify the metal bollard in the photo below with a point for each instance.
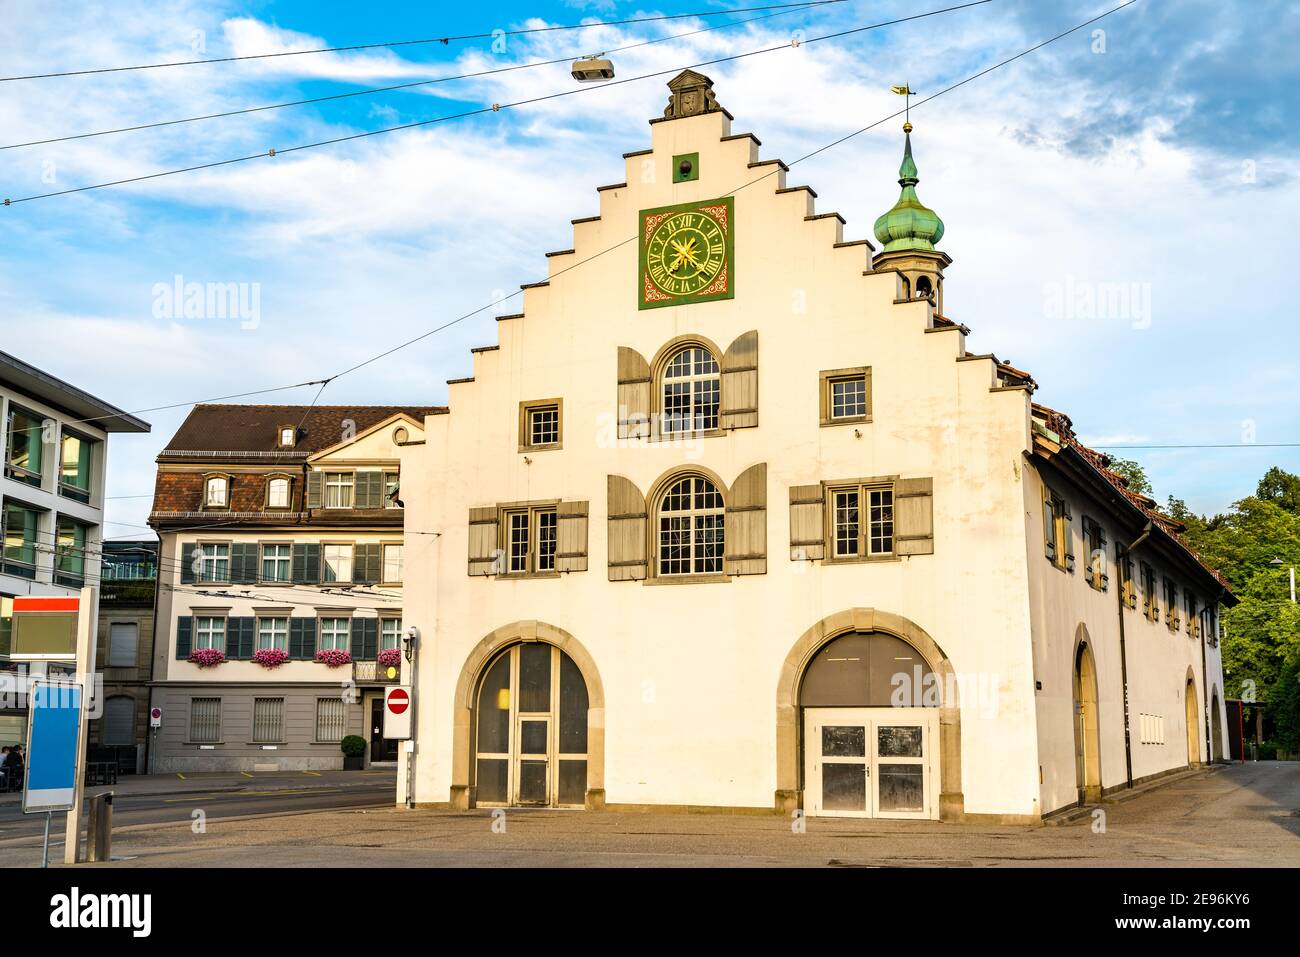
(99, 837)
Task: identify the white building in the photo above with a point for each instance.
(730, 517)
(55, 441)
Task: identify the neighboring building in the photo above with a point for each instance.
(55, 441)
(128, 580)
(730, 517)
(281, 536)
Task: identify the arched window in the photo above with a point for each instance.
(215, 492)
(691, 521)
(923, 288)
(690, 391)
(277, 492)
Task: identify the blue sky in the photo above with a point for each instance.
(1158, 160)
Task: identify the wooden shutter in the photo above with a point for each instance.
(740, 383)
(627, 531)
(633, 394)
(1068, 532)
(367, 563)
(914, 516)
(302, 638)
(187, 561)
(1105, 564)
(1049, 526)
(807, 522)
(241, 638)
(184, 636)
(484, 548)
(365, 639)
(746, 523)
(243, 563)
(315, 488)
(571, 548)
(368, 489)
(305, 564)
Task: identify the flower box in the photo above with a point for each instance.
(207, 657)
(270, 657)
(333, 658)
(389, 658)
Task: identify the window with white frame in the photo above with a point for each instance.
(216, 493)
(862, 518)
(335, 634)
(287, 434)
(337, 561)
(390, 633)
(530, 539)
(691, 391)
(540, 424)
(331, 719)
(273, 633)
(123, 639)
(205, 720)
(215, 563)
(338, 489)
(392, 563)
(210, 632)
(277, 561)
(277, 493)
(691, 528)
(268, 720)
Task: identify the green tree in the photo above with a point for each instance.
(1281, 488)
(1134, 472)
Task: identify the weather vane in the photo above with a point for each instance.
(908, 92)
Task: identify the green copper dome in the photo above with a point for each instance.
(909, 225)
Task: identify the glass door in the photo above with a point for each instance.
(870, 762)
(533, 774)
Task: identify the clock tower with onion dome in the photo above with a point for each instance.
(908, 234)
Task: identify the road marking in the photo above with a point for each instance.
(245, 774)
(278, 793)
(181, 776)
(314, 774)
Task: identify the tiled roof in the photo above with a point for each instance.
(255, 428)
(1059, 423)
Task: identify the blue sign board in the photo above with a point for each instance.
(53, 729)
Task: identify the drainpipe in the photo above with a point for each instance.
(1123, 654)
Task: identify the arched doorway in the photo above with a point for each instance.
(529, 722)
(1087, 733)
(870, 739)
(1216, 728)
(1193, 733)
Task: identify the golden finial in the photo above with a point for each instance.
(907, 91)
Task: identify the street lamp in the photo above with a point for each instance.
(1279, 563)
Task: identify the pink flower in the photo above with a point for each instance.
(207, 657)
(270, 657)
(389, 658)
(333, 658)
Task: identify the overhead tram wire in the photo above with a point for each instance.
(427, 40)
(400, 86)
(806, 156)
(494, 108)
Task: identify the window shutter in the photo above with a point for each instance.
(740, 383)
(484, 550)
(1049, 526)
(369, 489)
(367, 563)
(627, 531)
(315, 485)
(1105, 565)
(633, 394)
(184, 636)
(571, 548)
(302, 638)
(240, 637)
(807, 523)
(365, 639)
(746, 523)
(914, 516)
(1069, 538)
(243, 563)
(305, 564)
(187, 561)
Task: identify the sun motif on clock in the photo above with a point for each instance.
(686, 254)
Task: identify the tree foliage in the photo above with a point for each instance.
(1134, 472)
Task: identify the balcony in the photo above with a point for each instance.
(373, 673)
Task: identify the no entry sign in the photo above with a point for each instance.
(397, 713)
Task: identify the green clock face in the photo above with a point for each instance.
(686, 254)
